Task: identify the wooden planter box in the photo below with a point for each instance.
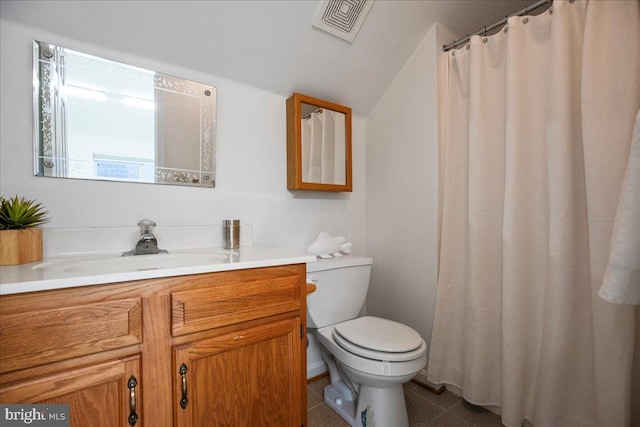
(20, 246)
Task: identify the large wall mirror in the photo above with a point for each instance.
(104, 120)
(318, 145)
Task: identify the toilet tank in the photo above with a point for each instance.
(341, 288)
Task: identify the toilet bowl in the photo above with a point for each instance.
(369, 358)
(375, 376)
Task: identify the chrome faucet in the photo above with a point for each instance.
(148, 244)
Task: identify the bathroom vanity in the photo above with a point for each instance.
(219, 344)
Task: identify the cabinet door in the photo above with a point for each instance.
(252, 377)
(101, 395)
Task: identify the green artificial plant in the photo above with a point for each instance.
(18, 213)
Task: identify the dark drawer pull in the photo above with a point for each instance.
(183, 373)
(131, 384)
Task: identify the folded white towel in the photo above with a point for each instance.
(621, 284)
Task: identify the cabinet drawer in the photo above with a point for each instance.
(228, 303)
(33, 338)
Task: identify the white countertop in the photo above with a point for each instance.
(74, 271)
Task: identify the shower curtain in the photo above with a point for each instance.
(323, 147)
(538, 122)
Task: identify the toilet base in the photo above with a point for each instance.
(343, 407)
(385, 407)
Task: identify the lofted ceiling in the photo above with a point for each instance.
(268, 44)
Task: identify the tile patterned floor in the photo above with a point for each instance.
(424, 407)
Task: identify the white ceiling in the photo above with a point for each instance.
(266, 44)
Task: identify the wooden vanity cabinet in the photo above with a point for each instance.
(244, 378)
(72, 347)
(98, 395)
(224, 348)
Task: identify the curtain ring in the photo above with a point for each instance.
(485, 31)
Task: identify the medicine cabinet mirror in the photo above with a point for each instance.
(318, 145)
(104, 120)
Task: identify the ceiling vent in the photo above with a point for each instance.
(342, 18)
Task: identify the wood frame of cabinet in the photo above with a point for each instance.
(295, 179)
(103, 334)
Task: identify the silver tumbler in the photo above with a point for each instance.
(231, 233)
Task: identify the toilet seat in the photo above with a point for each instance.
(372, 365)
(379, 339)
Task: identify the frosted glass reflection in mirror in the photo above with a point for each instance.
(323, 145)
(104, 120)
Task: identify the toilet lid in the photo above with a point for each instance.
(379, 335)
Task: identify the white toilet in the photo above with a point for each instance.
(369, 358)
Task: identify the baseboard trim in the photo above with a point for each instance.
(421, 380)
(317, 377)
(316, 369)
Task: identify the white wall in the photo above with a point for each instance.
(397, 196)
(250, 158)
(402, 191)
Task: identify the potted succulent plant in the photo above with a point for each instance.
(20, 239)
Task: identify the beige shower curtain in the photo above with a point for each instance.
(323, 147)
(538, 122)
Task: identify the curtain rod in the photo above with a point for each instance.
(503, 21)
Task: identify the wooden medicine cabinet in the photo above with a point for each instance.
(318, 145)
